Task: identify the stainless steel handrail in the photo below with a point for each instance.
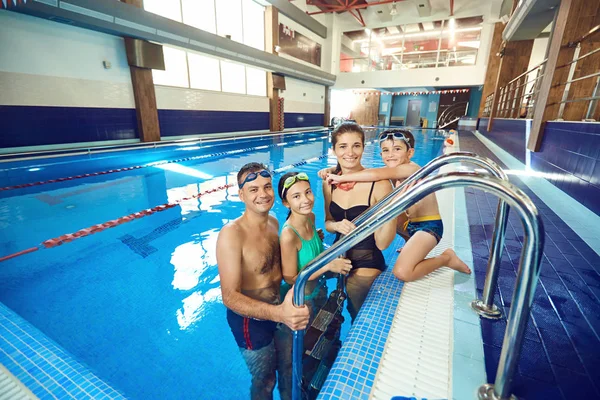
(484, 307)
(526, 280)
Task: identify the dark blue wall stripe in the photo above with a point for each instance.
(300, 120)
(194, 122)
(570, 157)
(34, 125)
(508, 134)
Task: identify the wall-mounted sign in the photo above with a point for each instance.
(299, 46)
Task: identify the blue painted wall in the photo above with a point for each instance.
(570, 157)
(474, 101)
(401, 106)
(386, 99)
(508, 134)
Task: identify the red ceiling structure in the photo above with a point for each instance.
(352, 6)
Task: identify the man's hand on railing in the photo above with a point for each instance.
(296, 318)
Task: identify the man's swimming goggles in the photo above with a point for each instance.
(293, 179)
(395, 136)
(253, 175)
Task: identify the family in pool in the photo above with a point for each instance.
(254, 256)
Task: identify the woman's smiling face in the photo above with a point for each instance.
(349, 149)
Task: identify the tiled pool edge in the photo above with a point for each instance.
(468, 364)
(353, 372)
(42, 366)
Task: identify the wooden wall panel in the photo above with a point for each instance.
(366, 108)
(493, 65)
(145, 96)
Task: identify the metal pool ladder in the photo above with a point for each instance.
(529, 267)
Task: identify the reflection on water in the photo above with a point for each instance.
(194, 305)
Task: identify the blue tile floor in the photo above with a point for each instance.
(561, 352)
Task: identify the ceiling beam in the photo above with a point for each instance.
(356, 6)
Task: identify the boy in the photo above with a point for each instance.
(422, 224)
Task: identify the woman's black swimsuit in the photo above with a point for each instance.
(365, 254)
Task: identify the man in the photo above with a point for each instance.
(249, 263)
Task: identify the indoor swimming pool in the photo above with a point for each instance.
(139, 304)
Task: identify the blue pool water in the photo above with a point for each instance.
(140, 303)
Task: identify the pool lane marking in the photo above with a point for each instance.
(153, 164)
(69, 237)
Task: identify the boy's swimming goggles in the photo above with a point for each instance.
(396, 135)
(253, 175)
(293, 179)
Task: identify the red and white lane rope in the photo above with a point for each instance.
(69, 237)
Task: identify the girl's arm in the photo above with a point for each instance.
(376, 174)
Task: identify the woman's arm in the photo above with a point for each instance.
(376, 174)
(386, 233)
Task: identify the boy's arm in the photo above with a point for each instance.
(376, 174)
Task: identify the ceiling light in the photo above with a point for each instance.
(393, 11)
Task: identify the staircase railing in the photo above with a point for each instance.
(526, 280)
(452, 114)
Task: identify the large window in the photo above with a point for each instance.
(239, 20)
(432, 44)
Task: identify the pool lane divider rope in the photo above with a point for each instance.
(69, 237)
(153, 164)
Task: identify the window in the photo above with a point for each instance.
(165, 8)
(254, 24)
(242, 20)
(229, 19)
(204, 72)
(233, 77)
(176, 69)
(256, 82)
(200, 14)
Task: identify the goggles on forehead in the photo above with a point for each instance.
(394, 136)
(253, 175)
(293, 179)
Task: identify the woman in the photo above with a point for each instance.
(346, 201)
(300, 242)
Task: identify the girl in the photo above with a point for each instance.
(300, 241)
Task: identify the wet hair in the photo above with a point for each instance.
(283, 192)
(346, 127)
(249, 168)
(407, 134)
